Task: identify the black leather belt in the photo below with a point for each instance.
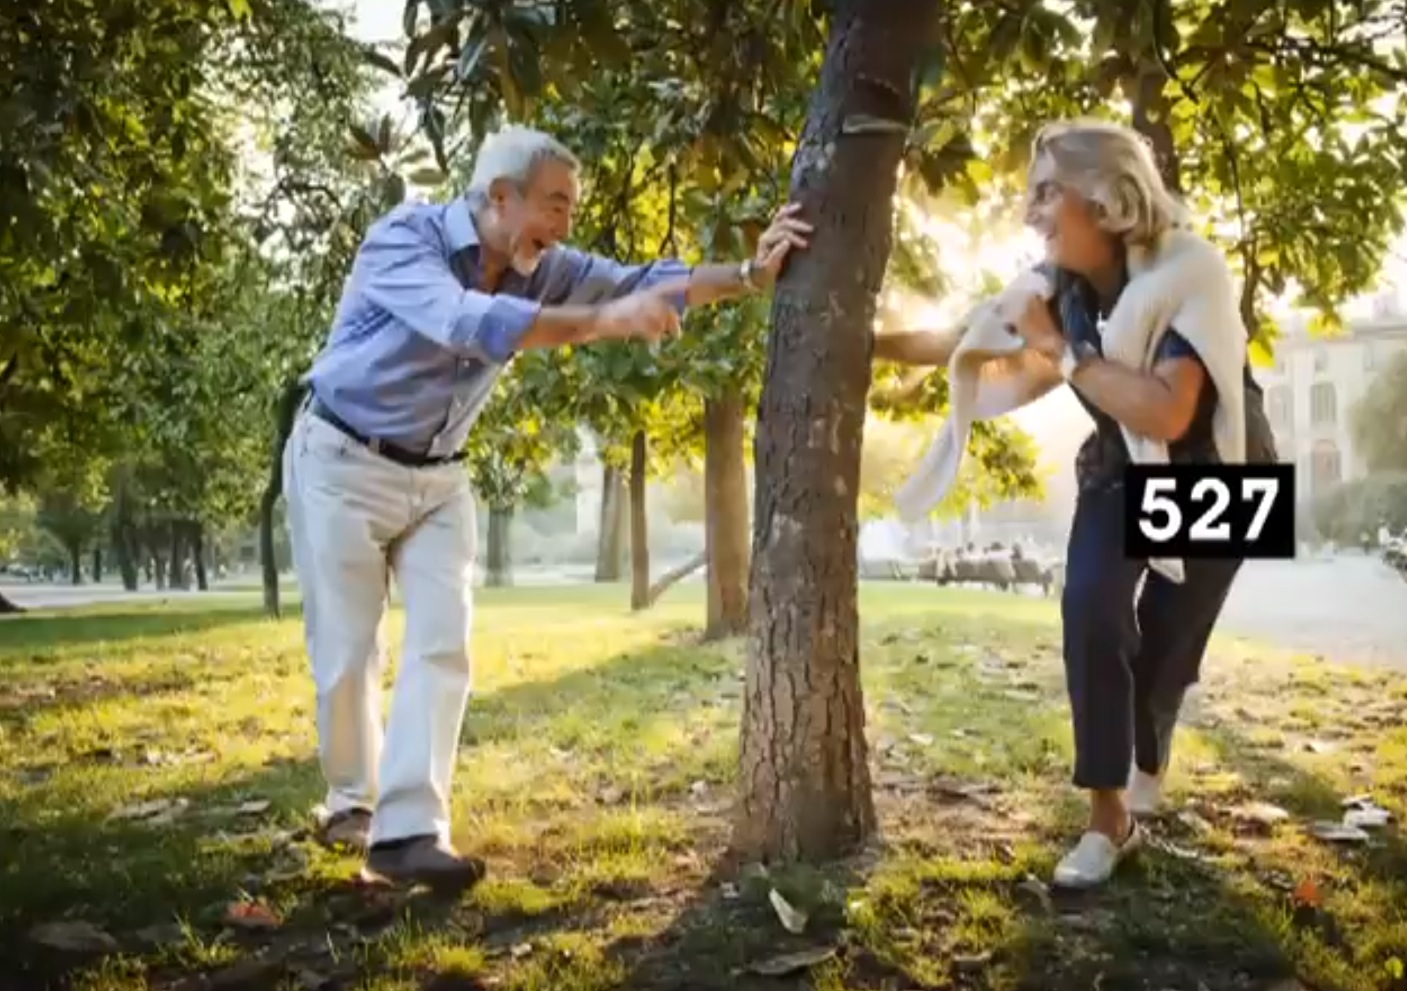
(387, 450)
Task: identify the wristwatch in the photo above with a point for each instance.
(1075, 354)
(747, 271)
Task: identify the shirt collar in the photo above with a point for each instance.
(460, 227)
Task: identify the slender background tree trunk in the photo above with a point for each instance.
(805, 782)
(75, 563)
(196, 530)
(610, 543)
(498, 566)
(725, 515)
(639, 530)
(178, 576)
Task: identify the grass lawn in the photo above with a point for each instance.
(156, 782)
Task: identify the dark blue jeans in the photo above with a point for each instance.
(1129, 657)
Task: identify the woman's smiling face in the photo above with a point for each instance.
(1069, 223)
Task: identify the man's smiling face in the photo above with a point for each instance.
(537, 215)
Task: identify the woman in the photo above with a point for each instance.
(1095, 195)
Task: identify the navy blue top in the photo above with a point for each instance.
(1102, 457)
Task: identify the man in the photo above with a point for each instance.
(439, 299)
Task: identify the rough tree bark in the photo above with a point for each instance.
(75, 563)
(805, 782)
(498, 563)
(610, 543)
(725, 515)
(639, 534)
(97, 566)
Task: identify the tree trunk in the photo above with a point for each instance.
(287, 411)
(156, 573)
(97, 564)
(498, 567)
(805, 790)
(1145, 89)
(75, 563)
(197, 547)
(610, 545)
(123, 538)
(639, 536)
(176, 570)
(725, 515)
(669, 579)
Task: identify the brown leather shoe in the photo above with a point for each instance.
(349, 829)
(423, 860)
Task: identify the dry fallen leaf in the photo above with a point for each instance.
(1195, 822)
(1260, 812)
(73, 936)
(1307, 893)
(1337, 832)
(790, 963)
(147, 810)
(793, 919)
(1367, 818)
(250, 915)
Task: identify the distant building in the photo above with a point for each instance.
(1313, 387)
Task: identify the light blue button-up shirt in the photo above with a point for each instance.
(414, 350)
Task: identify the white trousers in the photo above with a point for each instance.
(354, 519)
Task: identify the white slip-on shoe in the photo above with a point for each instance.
(1145, 793)
(1094, 859)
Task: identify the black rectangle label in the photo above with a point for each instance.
(1209, 511)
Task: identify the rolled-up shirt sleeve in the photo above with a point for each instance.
(577, 278)
(402, 269)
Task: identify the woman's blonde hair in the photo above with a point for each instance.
(1113, 167)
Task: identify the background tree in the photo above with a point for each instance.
(1379, 419)
(511, 447)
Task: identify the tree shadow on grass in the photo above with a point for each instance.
(43, 630)
(187, 860)
(954, 910)
(1188, 913)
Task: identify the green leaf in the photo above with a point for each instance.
(364, 144)
(469, 58)
(440, 34)
(428, 177)
(381, 61)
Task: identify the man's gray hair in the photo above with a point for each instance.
(1114, 168)
(513, 153)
